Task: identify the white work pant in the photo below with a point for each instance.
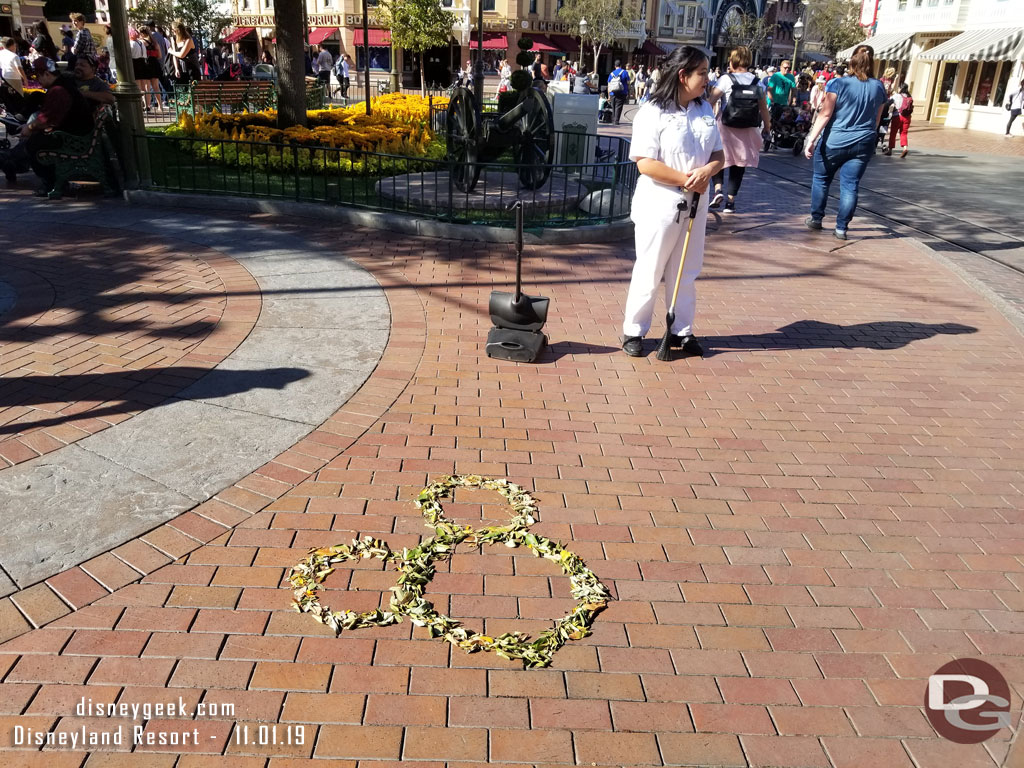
(659, 246)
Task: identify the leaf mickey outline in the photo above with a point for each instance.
(415, 567)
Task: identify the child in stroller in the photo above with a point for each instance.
(604, 106)
(14, 111)
(790, 129)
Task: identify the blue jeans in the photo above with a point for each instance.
(850, 162)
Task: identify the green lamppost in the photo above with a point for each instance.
(798, 33)
(134, 155)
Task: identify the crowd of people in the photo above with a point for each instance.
(700, 128)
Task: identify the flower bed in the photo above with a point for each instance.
(399, 126)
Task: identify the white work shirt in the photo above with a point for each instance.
(10, 68)
(683, 139)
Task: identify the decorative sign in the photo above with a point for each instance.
(265, 20)
(6, 10)
(868, 13)
(325, 20)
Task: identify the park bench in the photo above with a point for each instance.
(225, 96)
(91, 156)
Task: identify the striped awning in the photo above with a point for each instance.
(980, 45)
(892, 45)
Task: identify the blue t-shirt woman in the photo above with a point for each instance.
(847, 123)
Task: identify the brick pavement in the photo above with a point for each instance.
(798, 529)
(85, 343)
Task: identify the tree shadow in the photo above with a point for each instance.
(125, 392)
(815, 334)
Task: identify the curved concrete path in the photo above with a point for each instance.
(322, 327)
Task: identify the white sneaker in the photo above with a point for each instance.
(717, 199)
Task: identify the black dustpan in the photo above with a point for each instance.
(517, 311)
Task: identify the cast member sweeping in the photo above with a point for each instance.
(677, 149)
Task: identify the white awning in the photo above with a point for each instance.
(980, 45)
(892, 45)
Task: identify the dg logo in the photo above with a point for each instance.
(415, 568)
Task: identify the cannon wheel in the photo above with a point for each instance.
(535, 151)
(462, 140)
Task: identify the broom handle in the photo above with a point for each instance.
(686, 245)
(518, 205)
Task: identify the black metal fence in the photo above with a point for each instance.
(591, 181)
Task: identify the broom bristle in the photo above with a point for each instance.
(665, 348)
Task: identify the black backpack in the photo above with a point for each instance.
(743, 108)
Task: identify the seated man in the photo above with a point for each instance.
(95, 90)
(64, 108)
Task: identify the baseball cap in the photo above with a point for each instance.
(43, 64)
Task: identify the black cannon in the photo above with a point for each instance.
(523, 124)
(527, 127)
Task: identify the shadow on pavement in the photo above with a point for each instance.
(562, 349)
(814, 334)
(131, 391)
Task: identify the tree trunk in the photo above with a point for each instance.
(423, 74)
(597, 55)
(291, 64)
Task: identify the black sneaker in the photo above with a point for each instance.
(633, 346)
(42, 192)
(730, 206)
(812, 223)
(716, 200)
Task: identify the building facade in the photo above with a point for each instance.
(961, 58)
(337, 25)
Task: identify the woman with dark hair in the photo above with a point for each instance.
(902, 109)
(848, 126)
(43, 43)
(677, 149)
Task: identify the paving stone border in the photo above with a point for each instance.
(292, 462)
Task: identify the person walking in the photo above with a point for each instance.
(342, 73)
(677, 149)
(1016, 105)
(185, 53)
(902, 109)
(83, 37)
(618, 91)
(743, 115)
(817, 94)
(781, 89)
(10, 65)
(322, 65)
(848, 127)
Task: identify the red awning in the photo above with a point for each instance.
(565, 43)
(380, 38)
(238, 34)
(649, 48)
(317, 36)
(540, 43)
(493, 41)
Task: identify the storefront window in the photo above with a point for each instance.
(380, 57)
(488, 5)
(985, 83)
(968, 90)
(1004, 81)
(948, 78)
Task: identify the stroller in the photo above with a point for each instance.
(14, 112)
(788, 132)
